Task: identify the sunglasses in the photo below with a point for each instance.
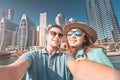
(53, 33)
(77, 33)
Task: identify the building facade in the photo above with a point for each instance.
(26, 33)
(115, 24)
(7, 33)
(72, 20)
(42, 30)
(60, 20)
(100, 14)
(10, 14)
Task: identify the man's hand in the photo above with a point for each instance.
(89, 70)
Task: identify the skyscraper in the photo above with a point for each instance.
(10, 14)
(7, 33)
(100, 15)
(60, 20)
(43, 27)
(116, 28)
(26, 33)
(72, 20)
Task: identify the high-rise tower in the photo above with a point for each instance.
(72, 20)
(116, 28)
(60, 20)
(100, 15)
(10, 14)
(7, 33)
(43, 28)
(26, 33)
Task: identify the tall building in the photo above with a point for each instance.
(37, 35)
(115, 24)
(7, 33)
(43, 27)
(26, 33)
(10, 14)
(100, 15)
(72, 20)
(60, 20)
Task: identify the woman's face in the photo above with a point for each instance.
(75, 38)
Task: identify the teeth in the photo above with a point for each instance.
(72, 40)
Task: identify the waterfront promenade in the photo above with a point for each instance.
(116, 53)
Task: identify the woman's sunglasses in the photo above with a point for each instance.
(53, 33)
(77, 33)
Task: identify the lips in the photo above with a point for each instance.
(73, 40)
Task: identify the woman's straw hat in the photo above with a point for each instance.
(80, 25)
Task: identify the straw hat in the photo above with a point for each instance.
(80, 25)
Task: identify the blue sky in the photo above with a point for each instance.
(33, 8)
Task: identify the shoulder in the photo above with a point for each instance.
(98, 50)
(66, 54)
(30, 54)
(33, 52)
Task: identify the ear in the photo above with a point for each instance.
(46, 36)
(84, 41)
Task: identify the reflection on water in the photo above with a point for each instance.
(5, 61)
(116, 61)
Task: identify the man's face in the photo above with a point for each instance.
(54, 37)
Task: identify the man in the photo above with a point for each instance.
(47, 64)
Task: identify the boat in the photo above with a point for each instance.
(19, 53)
(5, 55)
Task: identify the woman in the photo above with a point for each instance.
(80, 39)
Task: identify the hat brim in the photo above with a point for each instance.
(87, 29)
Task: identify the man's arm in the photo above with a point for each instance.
(14, 71)
(89, 70)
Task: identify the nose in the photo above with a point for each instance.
(73, 35)
(57, 36)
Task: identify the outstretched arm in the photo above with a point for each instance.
(14, 71)
(89, 70)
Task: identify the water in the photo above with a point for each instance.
(5, 61)
(116, 61)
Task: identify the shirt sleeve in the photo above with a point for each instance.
(26, 56)
(100, 57)
(69, 57)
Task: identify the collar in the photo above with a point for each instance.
(80, 52)
(44, 51)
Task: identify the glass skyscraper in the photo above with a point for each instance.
(7, 33)
(101, 17)
(26, 33)
(43, 27)
(60, 20)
